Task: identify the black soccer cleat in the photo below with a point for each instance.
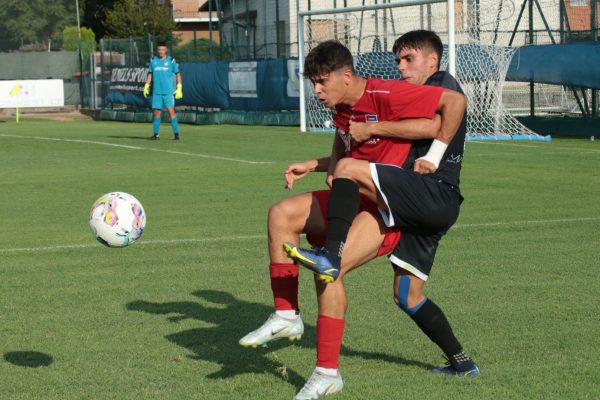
(466, 368)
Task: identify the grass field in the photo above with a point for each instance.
(518, 276)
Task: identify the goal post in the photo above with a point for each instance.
(471, 54)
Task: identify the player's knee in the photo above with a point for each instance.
(283, 213)
(277, 214)
(345, 168)
(408, 301)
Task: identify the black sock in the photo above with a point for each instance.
(434, 324)
(341, 210)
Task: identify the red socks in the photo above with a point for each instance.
(329, 341)
(284, 283)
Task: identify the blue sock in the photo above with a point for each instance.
(175, 126)
(156, 125)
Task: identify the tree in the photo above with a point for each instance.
(72, 41)
(35, 20)
(93, 14)
(138, 18)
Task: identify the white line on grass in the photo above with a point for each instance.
(530, 222)
(562, 150)
(141, 243)
(124, 146)
(544, 153)
(498, 143)
(255, 237)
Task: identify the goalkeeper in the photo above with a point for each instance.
(161, 71)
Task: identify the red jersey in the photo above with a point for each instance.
(385, 100)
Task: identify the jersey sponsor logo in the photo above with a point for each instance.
(371, 118)
(454, 159)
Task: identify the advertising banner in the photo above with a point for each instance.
(32, 93)
(127, 79)
(242, 79)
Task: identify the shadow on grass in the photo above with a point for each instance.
(230, 319)
(31, 359)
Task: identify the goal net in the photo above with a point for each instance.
(472, 38)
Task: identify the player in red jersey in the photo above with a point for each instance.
(422, 204)
(356, 100)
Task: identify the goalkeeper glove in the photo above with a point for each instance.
(146, 89)
(178, 91)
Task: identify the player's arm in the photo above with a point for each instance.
(452, 105)
(412, 128)
(296, 171)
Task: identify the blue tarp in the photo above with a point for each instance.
(571, 64)
(207, 85)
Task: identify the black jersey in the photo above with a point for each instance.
(449, 168)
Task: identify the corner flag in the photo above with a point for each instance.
(15, 90)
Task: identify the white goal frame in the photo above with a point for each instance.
(473, 56)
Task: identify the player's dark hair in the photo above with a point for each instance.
(161, 43)
(327, 57)
(420, 40)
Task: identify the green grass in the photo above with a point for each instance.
(517, 277)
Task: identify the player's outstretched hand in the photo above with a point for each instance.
(424, 167)
(146, 89)
(294, 172)
(359, 132)
(178, 91)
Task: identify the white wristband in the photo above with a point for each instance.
(435, 153)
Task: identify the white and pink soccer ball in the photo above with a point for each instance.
(117, 219)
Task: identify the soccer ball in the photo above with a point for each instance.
(117, 219)
(327, 124)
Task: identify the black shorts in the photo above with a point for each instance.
(423, 207)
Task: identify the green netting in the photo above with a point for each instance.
(39, 65)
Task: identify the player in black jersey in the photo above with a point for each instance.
(422, 199)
